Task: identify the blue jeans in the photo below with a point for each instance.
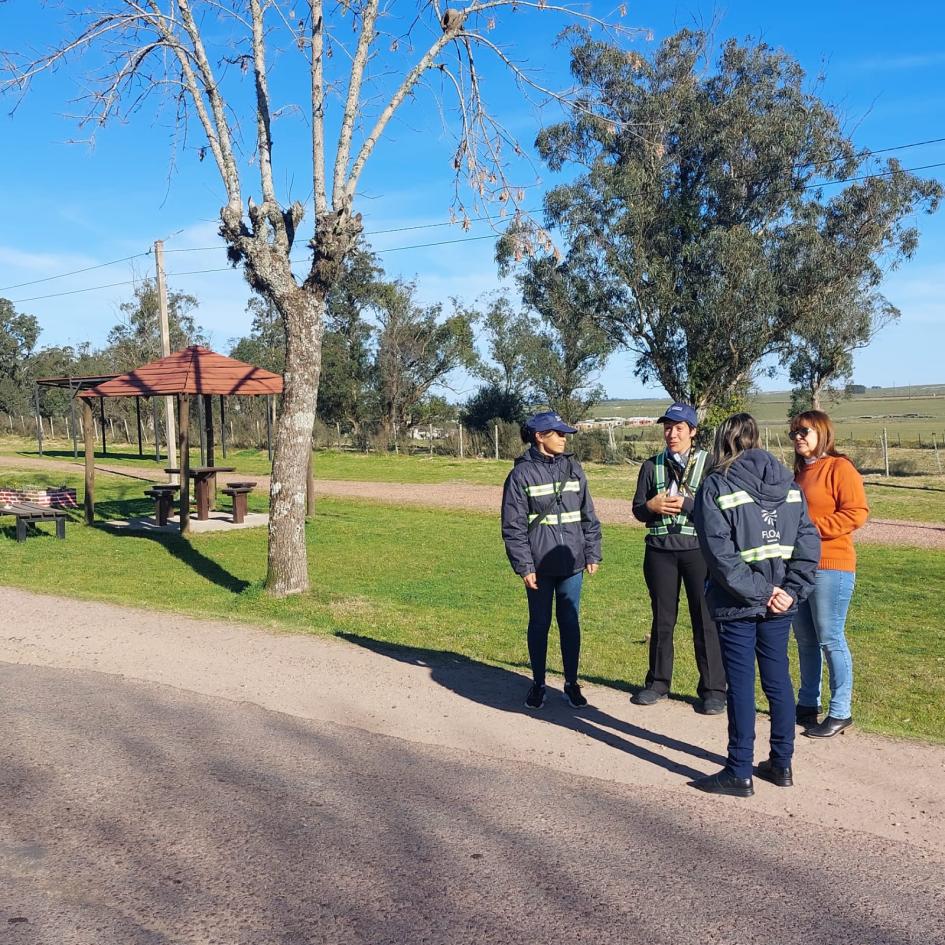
(818, 628)
(764, 638)
(565, 592)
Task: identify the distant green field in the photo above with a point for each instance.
(908, 414)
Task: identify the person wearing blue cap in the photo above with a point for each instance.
(552, 536)
(664, 497)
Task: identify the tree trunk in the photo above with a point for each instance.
(288, 556)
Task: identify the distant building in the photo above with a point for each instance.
(603, 423)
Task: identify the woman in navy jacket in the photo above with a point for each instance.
(762, 551)
(552, 536)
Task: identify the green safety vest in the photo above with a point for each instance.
(692, 477)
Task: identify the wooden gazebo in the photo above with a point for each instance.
(195, 371)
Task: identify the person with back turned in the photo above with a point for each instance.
(666, 488)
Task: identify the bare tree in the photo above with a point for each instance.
(359, 59)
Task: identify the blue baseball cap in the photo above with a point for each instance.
(677, 413)
(549, 420)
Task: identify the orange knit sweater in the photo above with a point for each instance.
(837, 505)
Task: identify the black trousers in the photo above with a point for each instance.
(664, 572)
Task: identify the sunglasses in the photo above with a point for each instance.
(802, 432)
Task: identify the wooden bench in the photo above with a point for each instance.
(28, 514)
(163, 496)
(238, 492)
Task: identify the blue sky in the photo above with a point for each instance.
(70, 204)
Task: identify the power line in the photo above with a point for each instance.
(74, 272)
(394, 249)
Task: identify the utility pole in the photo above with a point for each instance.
(165, 351)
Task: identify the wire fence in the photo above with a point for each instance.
(243, 425)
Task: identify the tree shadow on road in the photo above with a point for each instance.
(502, 689)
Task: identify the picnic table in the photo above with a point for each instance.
(163, 495)
(204, 478)
(29, 514)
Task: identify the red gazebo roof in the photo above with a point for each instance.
(195, 370)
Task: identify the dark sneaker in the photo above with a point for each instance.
(712, 706)
(768, 771)
(536, 697)
(648, 697)
(572, 694)
(725, 783)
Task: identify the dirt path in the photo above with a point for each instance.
(487, 498)
(862, 783)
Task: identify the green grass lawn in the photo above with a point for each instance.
(455, 593)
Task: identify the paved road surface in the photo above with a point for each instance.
(165, 780)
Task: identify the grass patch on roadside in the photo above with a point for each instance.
(439, 580)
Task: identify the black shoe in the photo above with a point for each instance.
(648, 697)
(536, 697)
(829, 727)
(768, 771)
(725, 783)
(711, 706)
(806, 714)
(572, 694)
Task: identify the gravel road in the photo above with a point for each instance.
(167, 780)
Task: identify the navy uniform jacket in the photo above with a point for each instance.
(756, 535)
(568, 537)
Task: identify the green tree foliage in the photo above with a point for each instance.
(821, 358)
(18, 336)
(490, 403)
(265, 344)
(699, 198)
(510, 338)
(136, 339)
(347, 392)
(569, 349)
(416, 349)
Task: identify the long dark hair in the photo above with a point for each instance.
(734, 435)
(826, 437)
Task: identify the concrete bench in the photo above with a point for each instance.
(238, 491)
(28, 514)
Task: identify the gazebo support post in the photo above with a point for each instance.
(208, 436)
(39, 420)
(201, 430)
(183, 413)
(310, 486)
(223, 424)
(101, 402)
(269, 426)
(138, 418)
(89, 436)
(75, 436)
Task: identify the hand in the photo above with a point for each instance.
(531, 581)
(592, 567)
(665, 504)
(780, 601)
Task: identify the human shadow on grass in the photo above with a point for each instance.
(505, 690)
(186, 553)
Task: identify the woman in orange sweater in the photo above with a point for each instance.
(837, 505)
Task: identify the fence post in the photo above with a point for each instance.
(885, 452)
(431, 439)
(460, 441)
(497, 441)
(938, 461)
(767, 447)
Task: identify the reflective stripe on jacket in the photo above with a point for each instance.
(568, 536)
(756, 535)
